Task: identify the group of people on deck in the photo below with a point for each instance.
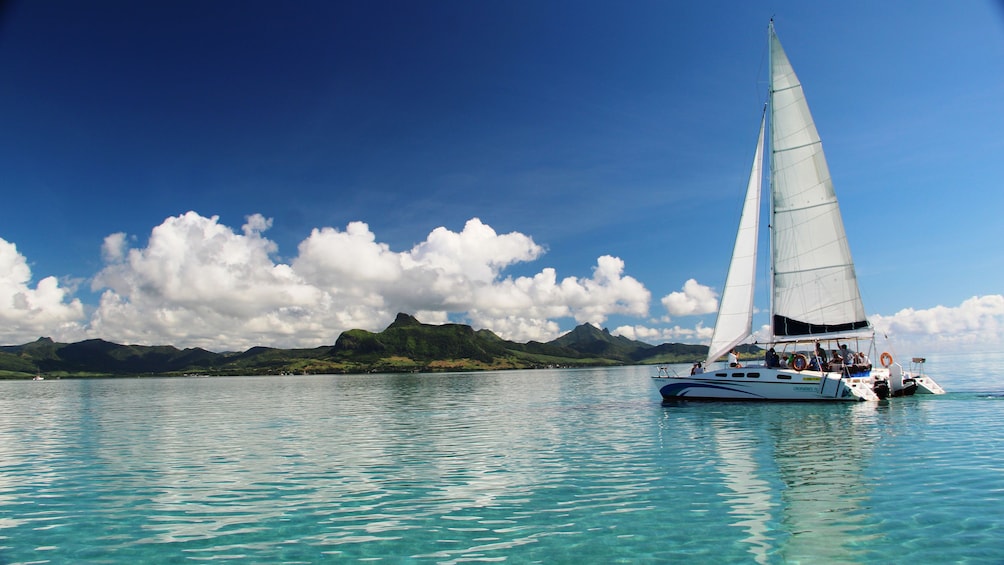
(838, 359)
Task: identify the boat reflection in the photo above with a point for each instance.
(792, 475)
(750, 500)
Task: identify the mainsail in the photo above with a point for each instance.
(815, 289)
(735, 314)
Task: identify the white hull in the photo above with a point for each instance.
(761, 383)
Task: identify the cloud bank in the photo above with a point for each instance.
(977, 323)
(199, 283)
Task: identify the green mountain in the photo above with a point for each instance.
(587, 338)
(405, 345)
(408, 339)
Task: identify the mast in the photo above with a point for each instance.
(770, 174)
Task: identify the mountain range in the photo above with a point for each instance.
(406, 345)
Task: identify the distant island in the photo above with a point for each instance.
(407, 345)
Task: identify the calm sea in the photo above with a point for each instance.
(555, 466)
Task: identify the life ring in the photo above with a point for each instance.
(885, 359)
(799, 363)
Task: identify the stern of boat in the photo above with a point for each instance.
(926, 385)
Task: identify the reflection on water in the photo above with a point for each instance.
(546, 466)
(821, 457)
(794, 474)
(750, 501)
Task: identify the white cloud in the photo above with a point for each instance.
(541, 298)
(695, 299)
(676, 334)
(977, 323)
(28, 313)
(197, 282)
(477, 253)
(762, 335)
(519, 328)
(114, 248)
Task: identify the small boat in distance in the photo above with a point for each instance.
(38, 377)
(821, 344)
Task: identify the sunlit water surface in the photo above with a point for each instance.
(553, 466)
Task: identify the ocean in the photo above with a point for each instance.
(546, 466)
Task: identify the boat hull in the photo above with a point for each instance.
(759, 383)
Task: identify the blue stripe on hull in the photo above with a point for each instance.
(709, 390)
(682, 390)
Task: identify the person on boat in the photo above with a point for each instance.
(861, 358)
(698, 368)
(821, 353)
(734, 359)
(836, 361)
(772, 359)
(846, 354)
(815, 364)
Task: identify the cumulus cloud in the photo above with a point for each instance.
(198, 282)
(695, 299)
(28, 313)
(477, 253)
(541, 298)
(114, 248)
(676, 334)
(977, 323)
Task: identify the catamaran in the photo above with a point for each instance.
(822, 343)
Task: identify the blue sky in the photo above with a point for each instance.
(229, 174)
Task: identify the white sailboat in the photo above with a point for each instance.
(815, 305)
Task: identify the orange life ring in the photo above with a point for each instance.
(885, 359)
(799, 363)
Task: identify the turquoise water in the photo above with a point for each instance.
(554, 466)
